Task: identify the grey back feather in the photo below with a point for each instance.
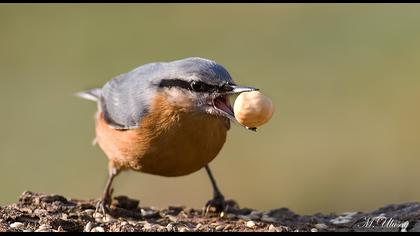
(127, 98)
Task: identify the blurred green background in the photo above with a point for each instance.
(344, 79)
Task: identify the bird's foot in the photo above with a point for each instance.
(219, 204)
(102, 207)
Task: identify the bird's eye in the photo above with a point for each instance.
(198, 86)
(225, 87)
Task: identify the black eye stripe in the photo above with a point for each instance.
(168, 83)
(197, 86)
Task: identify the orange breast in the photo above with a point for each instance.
(171, 141)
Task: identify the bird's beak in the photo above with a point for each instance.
(235, 89)
(222, 103)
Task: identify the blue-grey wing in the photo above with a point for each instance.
(126, 98)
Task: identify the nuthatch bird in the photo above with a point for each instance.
(168, 119)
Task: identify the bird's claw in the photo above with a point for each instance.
(104, 203)
(101, 207)
(219, 205)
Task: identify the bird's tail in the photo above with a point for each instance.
(91, 94)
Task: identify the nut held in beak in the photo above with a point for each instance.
(253, 109)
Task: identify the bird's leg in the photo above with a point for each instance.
(218, 203)
(217, 195)
(106, 199)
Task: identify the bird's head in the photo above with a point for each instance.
(201, 85)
